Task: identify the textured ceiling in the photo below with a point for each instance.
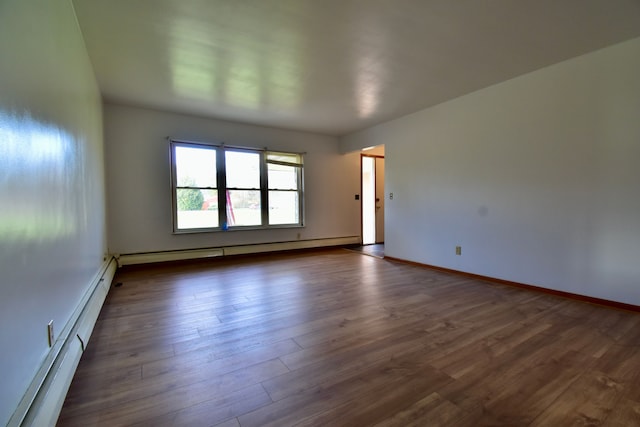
(332, 66)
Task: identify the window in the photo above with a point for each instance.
(283, 175)
(196, 192)
(220, 188)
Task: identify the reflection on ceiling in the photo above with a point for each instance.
(332, 66)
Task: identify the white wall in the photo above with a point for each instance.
(52, 220)
(138, 186)
(538, 178)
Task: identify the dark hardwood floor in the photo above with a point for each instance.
(336, 338)
(376, 249)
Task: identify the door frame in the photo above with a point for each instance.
(362, 155)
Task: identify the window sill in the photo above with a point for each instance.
(237, 228)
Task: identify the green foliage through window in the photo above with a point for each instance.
(189, 199)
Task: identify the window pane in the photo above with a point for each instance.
(243, 169)
(195, 167)
(197, 208)
(243, 207)
(282, 177)
(283, 207)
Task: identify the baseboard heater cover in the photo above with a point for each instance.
(43, 400)
(151, 257)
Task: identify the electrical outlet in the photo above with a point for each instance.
(50, 333)
(458, 250)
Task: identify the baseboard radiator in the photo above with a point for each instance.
(43, 400)
(149, 257)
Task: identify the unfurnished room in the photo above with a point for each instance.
(236, 213)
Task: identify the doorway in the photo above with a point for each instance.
(372, 177)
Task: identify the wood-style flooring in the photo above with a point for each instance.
(376, 249)
(337, 338)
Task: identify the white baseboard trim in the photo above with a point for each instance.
(149, 257)
(43, 401)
